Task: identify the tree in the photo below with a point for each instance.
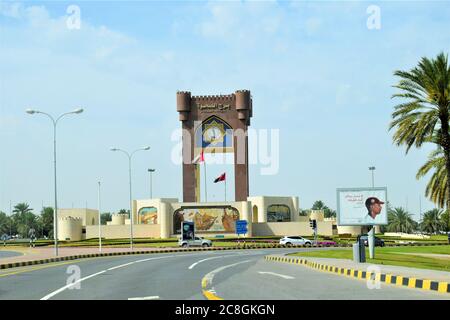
(46, 220)
(5, 223)
(436, 189)
(327, 212)
(24, 219)
(105, 216)
(124, 211)
(399, 220)
(425, 116)
(432, 221)
(446, 219)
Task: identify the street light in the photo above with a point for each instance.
(373, 170)
(151, 188)
(130, 155)
(55, 122)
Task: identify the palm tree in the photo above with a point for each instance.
(399, 220)
(436, 189)
(23, 218)
(432, 221)
(320, 205)
(425, 116)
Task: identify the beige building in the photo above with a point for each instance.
(72, 223)
(161, 218)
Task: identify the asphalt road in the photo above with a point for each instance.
(232, 275)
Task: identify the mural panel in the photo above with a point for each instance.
(207, 219)
(148, 215)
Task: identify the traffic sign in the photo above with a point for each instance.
(241, 227)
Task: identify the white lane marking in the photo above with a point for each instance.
(145, 298)
(54, 293)
(192, 266)
(276, 274)
(143, 260)
(210, 276)
(121, 266)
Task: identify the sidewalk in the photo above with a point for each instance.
(396, 275)
(403, 271)
(41, 253)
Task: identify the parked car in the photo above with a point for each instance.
(378, 242)
(295, 241)
(197, 242)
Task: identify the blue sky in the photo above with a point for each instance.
(316, 73)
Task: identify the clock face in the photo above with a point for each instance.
(213, 135)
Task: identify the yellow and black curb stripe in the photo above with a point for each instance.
(441, 287)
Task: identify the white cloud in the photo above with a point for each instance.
(11, 10)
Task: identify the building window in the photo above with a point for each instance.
(148, 215)
(278, 213)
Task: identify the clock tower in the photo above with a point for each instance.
(215, 123)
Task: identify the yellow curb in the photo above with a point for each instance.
(211, 296)
(442, 287)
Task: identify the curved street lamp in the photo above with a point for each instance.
(130, 156)
(55, 122)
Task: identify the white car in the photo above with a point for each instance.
(295, 241)
(197, 242)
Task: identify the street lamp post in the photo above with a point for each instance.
(55, 122)
(371, 233)
(373, 181)
(130, 155)
(151, 187)
(99, 221)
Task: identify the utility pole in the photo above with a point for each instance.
(371, 233)
(99, 221)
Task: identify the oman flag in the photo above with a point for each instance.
(220, 178)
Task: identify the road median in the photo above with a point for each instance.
(398, 279)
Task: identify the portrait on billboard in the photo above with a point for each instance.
(361, 206)
(188, 230)
(207, 219)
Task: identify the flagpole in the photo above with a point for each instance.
(225, 189)
(206, 193)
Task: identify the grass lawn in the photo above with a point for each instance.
(393, 256)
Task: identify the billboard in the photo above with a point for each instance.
(361, 206)
(207, 219)
(188, 230)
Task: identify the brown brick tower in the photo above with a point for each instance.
(232, 112)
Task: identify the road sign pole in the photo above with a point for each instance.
(371, 240)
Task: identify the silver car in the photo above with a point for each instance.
(197, 242)
(295, 241)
